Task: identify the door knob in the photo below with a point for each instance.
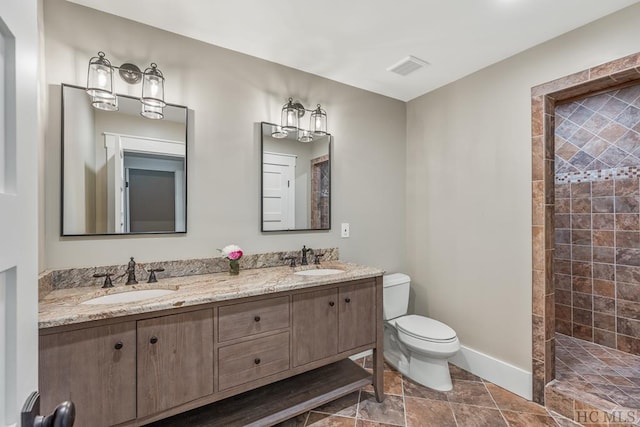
(153, 340)
(63, 416)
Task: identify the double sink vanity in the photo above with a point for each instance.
(266, 345)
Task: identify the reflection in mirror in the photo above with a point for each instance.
(122, 173)
(296, 181)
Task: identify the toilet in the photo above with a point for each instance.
(417, 346)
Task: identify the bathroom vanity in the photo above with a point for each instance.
(265, 345)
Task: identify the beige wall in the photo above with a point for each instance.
(228, 94)
(468, 188)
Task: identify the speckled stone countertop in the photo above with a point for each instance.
(64, 306)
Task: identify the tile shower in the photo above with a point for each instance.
(597, 219)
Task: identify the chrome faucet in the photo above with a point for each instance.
(304, 255)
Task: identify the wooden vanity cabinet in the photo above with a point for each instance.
(95, 368)
(331, 321)
(245, 354)
(160, 363)
(175, 360)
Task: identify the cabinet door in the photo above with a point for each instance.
(357, 316)
(315, 326)
(93, 367)
(175, 360)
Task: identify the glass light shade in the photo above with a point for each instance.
(153, 87)
(305, 136)
(290, 118)
(154, 113)
(279, 133)
(105, 103)
(318, 123)
(99, 76)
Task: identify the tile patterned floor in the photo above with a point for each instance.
(472, 402)
(604, 372)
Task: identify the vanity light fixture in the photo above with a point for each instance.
(105, 103)
(103, 97)
(291, 114)
(151, 112)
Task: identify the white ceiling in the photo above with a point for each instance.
(355, 41)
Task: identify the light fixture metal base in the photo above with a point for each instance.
(130, 73)
(298, 106)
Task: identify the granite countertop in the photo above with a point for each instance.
(64, 306)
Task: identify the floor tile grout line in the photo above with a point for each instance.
(495, 403)
(358, 404)
(404, 401)
(455, 419)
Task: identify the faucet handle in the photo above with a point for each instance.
(107, 279)
(152, 274)
(316, 258)
(293, 260)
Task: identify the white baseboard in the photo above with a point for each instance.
(507, 376)
(361, 355)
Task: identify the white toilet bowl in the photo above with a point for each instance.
(417, 346)
(430, 344)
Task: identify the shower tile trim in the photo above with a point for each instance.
(597, 175)
(543, 101)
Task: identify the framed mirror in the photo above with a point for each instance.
(296, 180)
(122, 173)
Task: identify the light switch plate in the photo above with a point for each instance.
(344, 229)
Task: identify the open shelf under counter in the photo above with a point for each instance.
(279, 401)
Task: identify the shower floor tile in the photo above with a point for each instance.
(601, 371)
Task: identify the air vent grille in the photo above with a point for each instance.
(408, 65)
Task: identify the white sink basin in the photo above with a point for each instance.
(319, 272)
(131, 296)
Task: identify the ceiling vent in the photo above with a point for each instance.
(408, 65)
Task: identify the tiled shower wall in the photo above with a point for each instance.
(597, 219)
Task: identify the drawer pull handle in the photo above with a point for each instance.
(118, 345)
(257, 318)
(347, 300)
(256, 360)
(331, 303)
(153, 340)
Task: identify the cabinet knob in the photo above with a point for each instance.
(153, 340)
(257, 318)
(256, 360)
(331, 303)
(118, 345)
(347, 300)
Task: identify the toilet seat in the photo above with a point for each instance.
(425, 329)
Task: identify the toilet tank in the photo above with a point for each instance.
(396, 295)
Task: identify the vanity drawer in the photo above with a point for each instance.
(250, 318)
(247, 361)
